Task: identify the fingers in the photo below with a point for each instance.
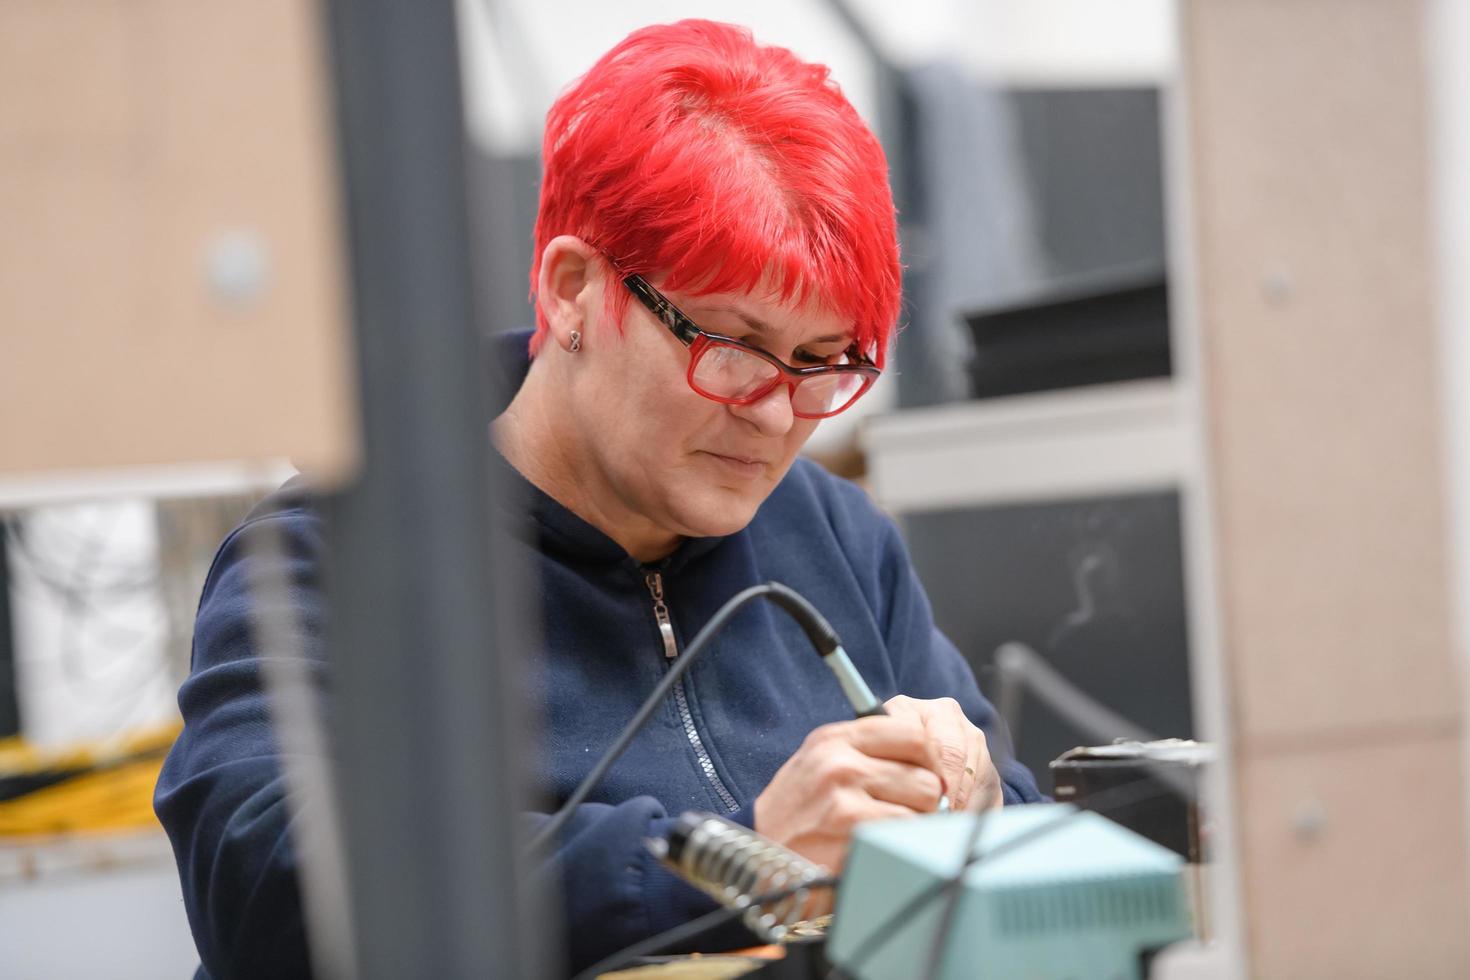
(956, 739)
(958, 744)
(859, 809)
(890, 759)
(896, 738)
(977, 761)
(844, 774)
(901, 784)
(896, 759)
(988, 793)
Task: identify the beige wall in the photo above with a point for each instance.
(133, 135)
(1309, 150)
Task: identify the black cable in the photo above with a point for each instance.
(80, 587)
(820, 632)
(125, 580)
(78, 590)
(951, 885)
(817, 629)
(692, 929)
(824, 638)
(952, 893)
(1139, 791)
(680, 667)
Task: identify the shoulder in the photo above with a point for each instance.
(808, 490)
(286, 526)
(814, 503)
(291, 512)
(826, 532)
(291, 500)
(815, 478)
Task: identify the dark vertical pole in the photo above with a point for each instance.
(9, 697)
(422, 708)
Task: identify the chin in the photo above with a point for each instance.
(719, 514)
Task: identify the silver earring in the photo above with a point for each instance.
(576, 341)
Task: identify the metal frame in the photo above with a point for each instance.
(424, 711)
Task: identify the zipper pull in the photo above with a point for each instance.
(655, 583)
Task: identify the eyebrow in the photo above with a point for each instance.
(761, 327)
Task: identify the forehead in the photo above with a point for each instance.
(768, 315)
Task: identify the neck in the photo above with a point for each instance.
(543, 444)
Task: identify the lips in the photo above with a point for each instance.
(746, 467)
(736, 457)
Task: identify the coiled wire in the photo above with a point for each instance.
(734, 865)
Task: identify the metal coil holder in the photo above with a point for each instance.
(734, 865)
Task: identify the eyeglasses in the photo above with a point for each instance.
(731, 371)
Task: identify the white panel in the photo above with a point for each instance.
(1087, 442)
(1448, 26)
(201, 480)
(1071, 42)
(544, 45)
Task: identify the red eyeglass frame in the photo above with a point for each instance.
(698, 340)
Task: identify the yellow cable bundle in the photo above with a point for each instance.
(111, 790)
(18, 757)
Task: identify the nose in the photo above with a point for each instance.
(772, 415)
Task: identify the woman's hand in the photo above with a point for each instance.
(964, 758)
(846, 773)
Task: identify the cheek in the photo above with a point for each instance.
(628, 401)
(666, 420)
(685, 411)
(801, 431)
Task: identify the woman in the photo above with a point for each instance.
(716, 271)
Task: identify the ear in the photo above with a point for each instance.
(563, 287)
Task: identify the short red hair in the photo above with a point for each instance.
(692, 153)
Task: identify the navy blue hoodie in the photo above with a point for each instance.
(714, 745)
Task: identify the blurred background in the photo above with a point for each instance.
(1176, 410)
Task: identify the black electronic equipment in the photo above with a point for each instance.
(1103, 327)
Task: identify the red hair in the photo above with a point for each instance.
(691, 154)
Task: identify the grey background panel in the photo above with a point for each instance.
(1096, 587)
(503, 191)
(1093, 164)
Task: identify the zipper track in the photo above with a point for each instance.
(655, 583)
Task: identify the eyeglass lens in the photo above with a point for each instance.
(730, 372)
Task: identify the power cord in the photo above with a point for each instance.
(817, 629)
(692, 929)
(1124, 795)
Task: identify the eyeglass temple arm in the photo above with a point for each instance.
(685, 329)
(660, 307)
